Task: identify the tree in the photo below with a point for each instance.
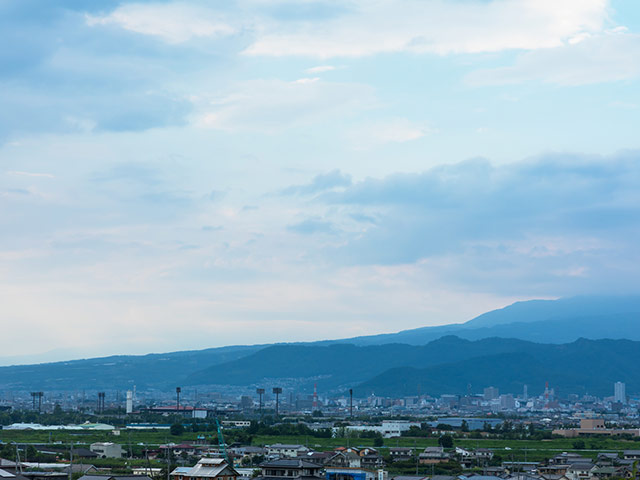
(446, 441)
(579, 445)
(464, 426)
(378, 442)
(31, 453)
(176, 429)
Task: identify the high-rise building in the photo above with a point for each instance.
(129, 403)
(620, 392)
(490, 393)
(507, 402)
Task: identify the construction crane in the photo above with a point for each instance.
(221, 442)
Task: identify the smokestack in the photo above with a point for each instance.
(315, 396)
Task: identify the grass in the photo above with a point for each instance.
(532, 450)
(87, 437)
(519, 450)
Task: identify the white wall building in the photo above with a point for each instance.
(106, 449)
(283, 450)
(388, 429)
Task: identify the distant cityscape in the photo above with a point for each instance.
(203, 403)
(200, 435)
(475, 411)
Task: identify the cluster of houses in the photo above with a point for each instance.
(349, 463)
(10, 470)
(298, 462)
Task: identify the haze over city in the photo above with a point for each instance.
(180, 175)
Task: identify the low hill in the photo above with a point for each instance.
(583, 366)
(335, 366)
(157, 370)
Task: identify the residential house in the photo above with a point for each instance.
(290, 468)
(606, 458)
(115, 477)
(464, 452)
(6, 475)
(580, 471)
(321, 458)
(567, 458)
(184, 449)
(433, 455)
(206, 469)
(411, 477)
(483, 454)
(372, 461)
(249, 452)
(284, 450)
(399, 454)
(336, 473)
(344, 459)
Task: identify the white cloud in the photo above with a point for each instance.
(30, 174)
(434, 27)
(607, 57)
(320, 69)
(397, 130)
(173, 22)
(273, 105)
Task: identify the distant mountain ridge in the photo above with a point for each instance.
(366, 362)
(446, 365)
(548, 321)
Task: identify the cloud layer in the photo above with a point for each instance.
(267, 166)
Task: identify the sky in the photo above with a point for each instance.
(189, 174)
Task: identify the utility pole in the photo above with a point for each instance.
(168, 462)
(71, 461)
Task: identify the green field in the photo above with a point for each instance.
(136, 440)
(87, 437)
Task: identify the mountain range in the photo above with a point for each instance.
(579, 344)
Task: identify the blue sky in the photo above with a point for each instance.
(186, 174)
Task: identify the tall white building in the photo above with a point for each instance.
(620, 392)
(129, 401)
